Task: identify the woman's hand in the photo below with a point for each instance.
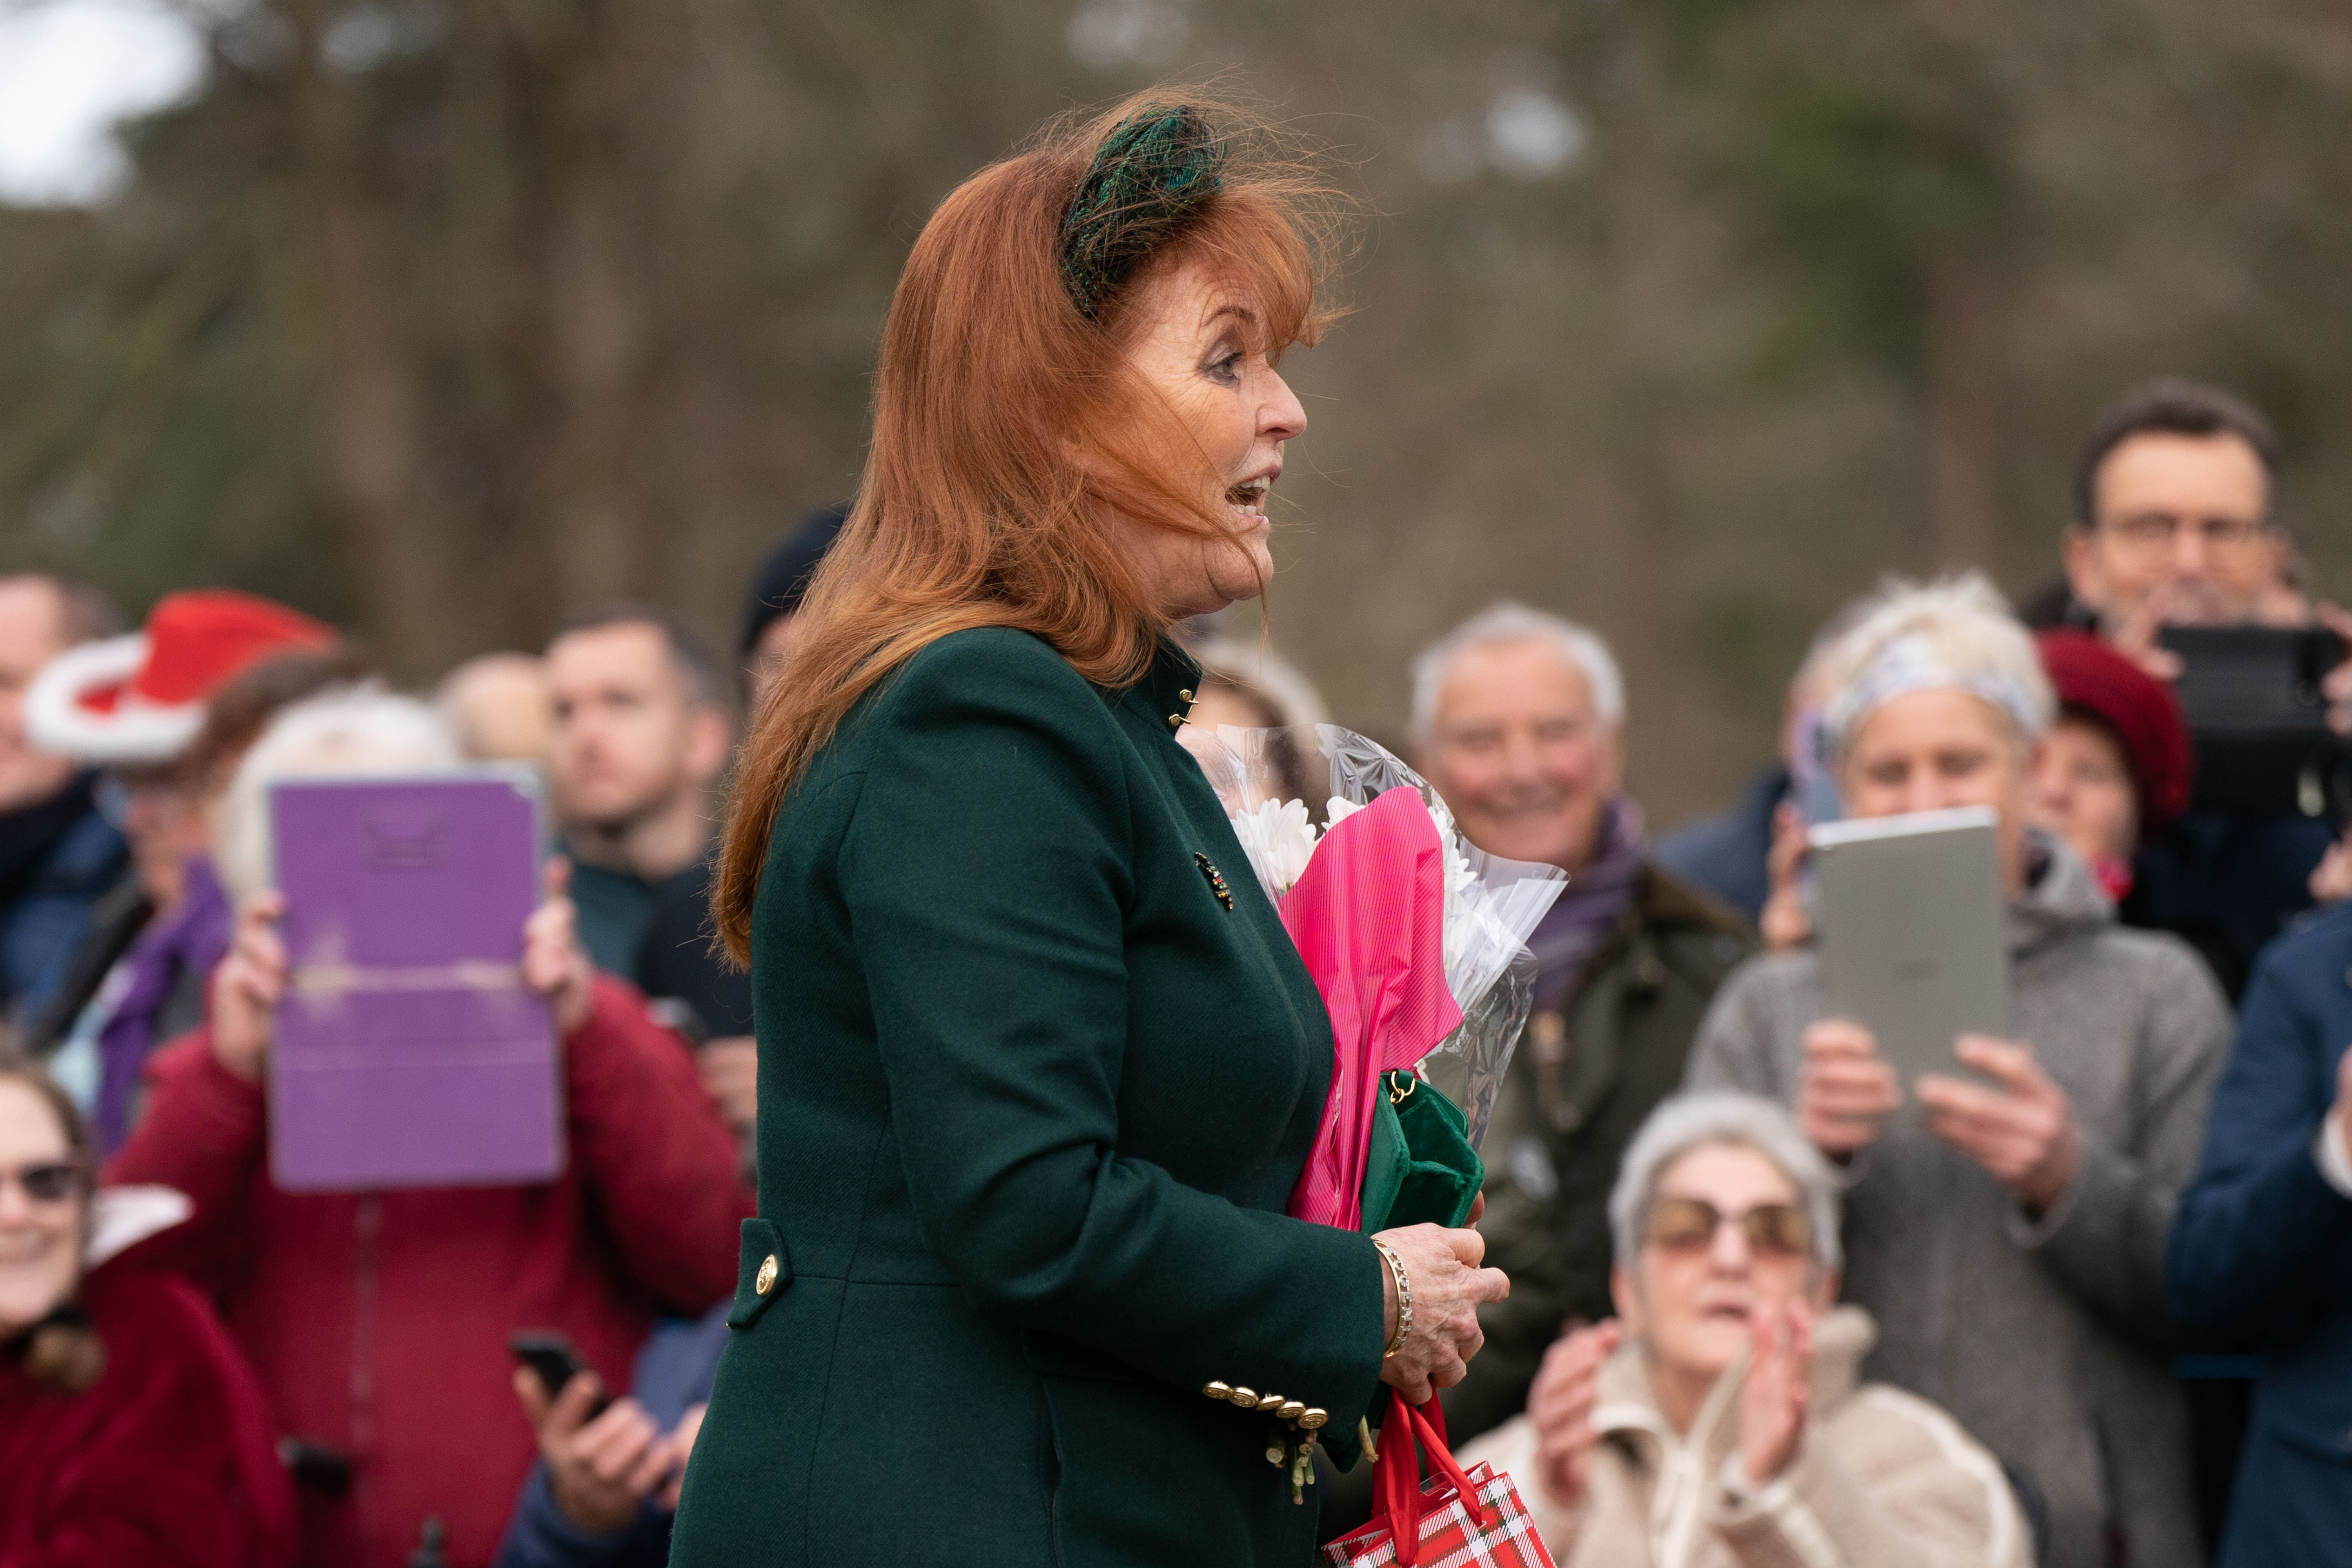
(1442, 1266)
(1778, 1391)
(554, 965)
(1559, 1406)
(246, 987)
(1783, 921)
(2025, 1132)
(1843, 1089)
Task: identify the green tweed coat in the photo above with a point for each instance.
(1033, 1096)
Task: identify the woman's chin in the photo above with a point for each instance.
(23, 1303)
(1705, 1349)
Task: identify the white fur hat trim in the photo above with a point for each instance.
(132, 732)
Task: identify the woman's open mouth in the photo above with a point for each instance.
(1248, 499)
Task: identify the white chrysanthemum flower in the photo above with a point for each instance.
(1278, 839)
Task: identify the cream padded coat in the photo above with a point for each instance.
(1883, 1480)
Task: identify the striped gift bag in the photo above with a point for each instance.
(1454, 1519)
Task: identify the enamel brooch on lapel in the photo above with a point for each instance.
(1216, 881)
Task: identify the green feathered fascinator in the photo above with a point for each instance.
(1148, 180)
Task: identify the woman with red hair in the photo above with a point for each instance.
(1038, 1066)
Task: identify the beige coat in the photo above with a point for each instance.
(1884, 1479)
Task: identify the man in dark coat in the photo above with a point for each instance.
(2261, 1250)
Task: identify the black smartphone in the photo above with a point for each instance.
(2257, 715)
(315, 1466)
(553, 1360)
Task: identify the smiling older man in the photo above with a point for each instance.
(1519, 721)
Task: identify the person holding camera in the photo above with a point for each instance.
(2176, 525)
(2007, 1230)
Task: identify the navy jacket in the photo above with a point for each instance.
(43, 927)
(1730, 854)
(2262, 1250)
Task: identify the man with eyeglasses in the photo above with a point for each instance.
(2174, 501)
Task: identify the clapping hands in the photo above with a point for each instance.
(1778, 1395)
(1560, 1405)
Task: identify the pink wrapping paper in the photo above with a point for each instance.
(1369, 919)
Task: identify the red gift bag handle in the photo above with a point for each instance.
(1410, 1431)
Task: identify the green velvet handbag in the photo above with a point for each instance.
(1420, 1168)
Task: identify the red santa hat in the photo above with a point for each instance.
(141, 697)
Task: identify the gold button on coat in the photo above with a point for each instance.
(1315, 1416)
(765, 1280)
(1217, 1389)
(1245, 1397)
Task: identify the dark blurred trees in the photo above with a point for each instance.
(449, 318)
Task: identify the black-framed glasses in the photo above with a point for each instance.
(1688, 1225)
(52, 1181)
(2151, 531)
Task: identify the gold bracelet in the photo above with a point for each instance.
(1404, 1298)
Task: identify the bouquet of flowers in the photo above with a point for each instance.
(1417, 940)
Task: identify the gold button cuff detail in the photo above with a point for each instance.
(765, 1280)
(1270, 1401)
(1314, 1416)
(1217, 1389)
(1245, 1397)
(1292, 1409)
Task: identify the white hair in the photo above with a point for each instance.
(1689, 1121)
(1256, 671)
(1956, 632)
(1509, 622)
(341, 731)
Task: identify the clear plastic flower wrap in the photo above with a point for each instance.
(1283, 788)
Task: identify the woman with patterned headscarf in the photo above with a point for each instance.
(2007, 1233)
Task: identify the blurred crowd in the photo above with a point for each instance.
(2089, 1305)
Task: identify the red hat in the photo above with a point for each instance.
(2142, 710)
(141, 699)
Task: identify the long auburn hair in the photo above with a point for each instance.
(1011, 436)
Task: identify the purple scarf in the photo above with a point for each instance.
(191, 938)
(1573, 929)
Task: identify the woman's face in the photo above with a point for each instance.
(1192, 345)
(2083, 790)
(1692, 1291)
(1936, 749)
(40, 1236)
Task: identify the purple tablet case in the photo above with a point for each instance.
(409, 1052)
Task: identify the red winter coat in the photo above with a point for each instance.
(379, 1322)
(166, 1461)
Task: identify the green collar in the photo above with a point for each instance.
(1168, 689)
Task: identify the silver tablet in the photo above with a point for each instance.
(1910, 915)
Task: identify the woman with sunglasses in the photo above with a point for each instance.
(1718, 1421)
(130, 1431)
